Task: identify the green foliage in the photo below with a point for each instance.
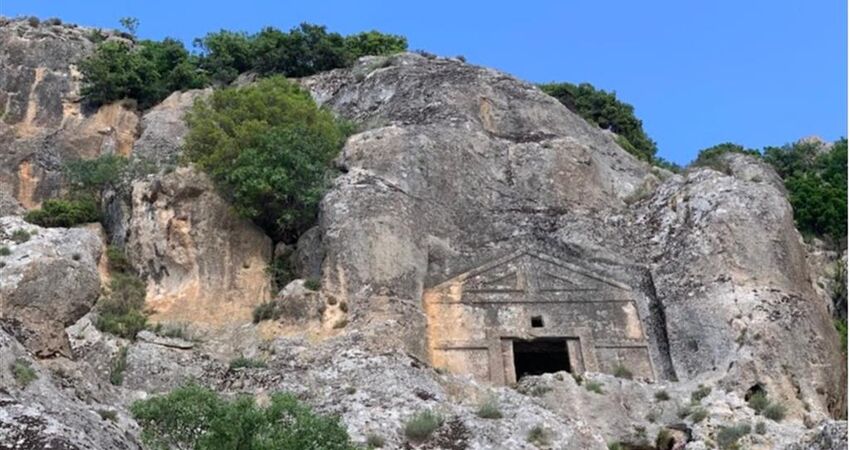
(148, 72)
(774, 411)
(375, 441)
(20, 236)
(622, 372)
(131, 24)
(615, 446)
(422, 424)
(65, 212)
(22, 372)
(538, 436)
(662, 396)
(118, 366)
(107, 414)
(246, 363)
(281, 272)
(120, 312)
(758, 401)
(118, 261)
(761, 428)
(701, 393)
(268, 147)
(304, 50)
(727, 437)
(710, 157)
(313, 284)
(489, 409)
(698, 414)
(5, 251)
(664, 440)
(266, 311)
(841, 326)
(817, 185)
(196, 417)
(605, 110)
(92, 176)
(374, 43)
(594, 386)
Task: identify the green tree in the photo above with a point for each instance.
(374, 43)
(605, 110)
(268, 147)
(226, 54)
(131, 24)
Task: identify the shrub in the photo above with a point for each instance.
(121, 311)
(422, 424)
(662, 396)
(65, 213)
(116, 369)
(107, 414)
(622, 372)
(761, 428)
(774, 411)
(147, 72)
(594, 386)
(246, 363)
(118, 261)
(701, 393)
(664, 440)
(615, 446)
(20, 236)
(22, 372)
(605, 110)
(266, 311)
(313, 284)
(727, 437)
(5, 251)
(489, 409)
(538, 436)
(268, 147)
(699, 414)
(758, 401)
(375, 440)
(711, 156)
(91, 176)
(196, 417)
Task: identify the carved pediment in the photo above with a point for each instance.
(532, 272)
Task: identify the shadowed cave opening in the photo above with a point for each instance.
(540, 356)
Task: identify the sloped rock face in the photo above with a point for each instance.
(163, 129)
(44, 123)
(204, 264)
(47, 283)
(459, 165)
(731, 271)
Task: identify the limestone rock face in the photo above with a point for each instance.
(203, 263)
(44, 122)
(731, 271)
(163, 128)
(459, 166)
(47, 283)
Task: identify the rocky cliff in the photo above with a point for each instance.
(455, 168)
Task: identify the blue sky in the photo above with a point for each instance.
(754, 72)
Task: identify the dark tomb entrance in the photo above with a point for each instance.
(540, 356)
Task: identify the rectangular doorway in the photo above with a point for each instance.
(539, 356)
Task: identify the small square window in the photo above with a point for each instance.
(536, 321)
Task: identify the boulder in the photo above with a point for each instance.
(164, 128)
(47, 282)
(203, 263)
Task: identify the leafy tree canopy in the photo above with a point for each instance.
(605, 110)
(268, 147)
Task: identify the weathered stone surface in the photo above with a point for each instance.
(829, 436)
(731, 271)
(44, 123)
(459, 166)
(47, 283)
(163, 129)
(41, 415)
(203, 263)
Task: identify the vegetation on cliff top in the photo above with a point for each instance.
(147, 71)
